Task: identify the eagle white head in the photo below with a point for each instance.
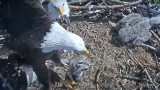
(58, 8)
(58, 38)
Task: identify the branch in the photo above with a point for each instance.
(80, 1)
(105, 7)
(134, 59)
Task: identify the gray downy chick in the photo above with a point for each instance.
(135, 29)
(78, 66)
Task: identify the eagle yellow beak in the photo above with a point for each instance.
(60, 10)
(85, 52)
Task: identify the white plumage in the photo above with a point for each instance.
(58, 38)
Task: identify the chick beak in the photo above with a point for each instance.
(85, 52)
(60, 10)
(71, 85)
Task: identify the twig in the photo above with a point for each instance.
(134, 79)
(141, 67)
(89, 3)
(80, 14)
(5, 83)
(80, 1)
(97, 78)
(106, 6)
(133, 59)
(103, 2)
(151, 47)
(99, 71)
(123, 87)
(154, 34)
(156, 59)
(111, 24)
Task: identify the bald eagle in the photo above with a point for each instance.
(35, 36)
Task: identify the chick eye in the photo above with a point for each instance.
(80, 62)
